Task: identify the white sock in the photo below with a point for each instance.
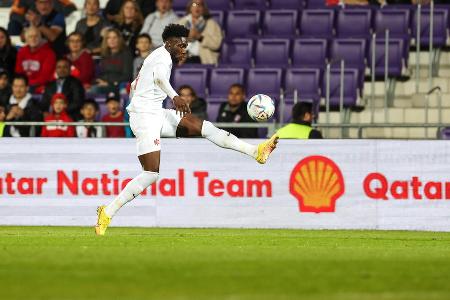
(131, 191)
(227, 140)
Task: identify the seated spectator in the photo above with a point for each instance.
(2, 119)
(22, 108)
(89, 112)
(235, 111)
(21, 7)
(5, 88)
(83, 66)
(66, 84)
(114, 115)
(116, 65)
(300, 126)
(8, 53)
(197, 105)
(36, 60)
(129, 23)
(143, 47)
(205, 34)
(50, 23)
(113, 7)
(155, 23)
(58, 114)
(92, 26)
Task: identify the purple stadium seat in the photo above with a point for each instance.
(196, 78)
(179, 5)
(317, 23)
(280, 23)
(354, 23)
(287, 4)
(237, 52)
(219, 5)
(272, 53)
(309, 53)
(307, 84)
(242, 23)
(445, 133)
(221, 79)
(213, 109)
(250, 4)
(316, 4)
(180, 13)
(350, 88)
(264, 81)
(353, 52)
(396, 59)
(440, 25)
(219, 17)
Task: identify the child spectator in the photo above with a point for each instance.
(114, 115)
(144, 47)
(2, 119)
(58, 114)
(89, 111)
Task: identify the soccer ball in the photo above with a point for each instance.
(260, 108)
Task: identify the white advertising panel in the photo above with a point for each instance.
(328, 184)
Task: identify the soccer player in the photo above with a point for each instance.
(149, 121)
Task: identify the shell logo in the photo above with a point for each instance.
(316, 182)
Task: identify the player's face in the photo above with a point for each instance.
(59, 105)
(19, 88)
(177, 49)
(113, 107)
(3, 81)
(88, 112)
(92, 7)
(235, 96)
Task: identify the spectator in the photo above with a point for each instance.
(66, 84)
(21, 108)
(50, 23)
(197, 105)
(5, 88)
(82, 64)
(89, 111)
(114, 115)
(116, 65)
(21, 7)
(144, 47)
(155, 23)
(235, 111)
(92, 26)
(300, 127)
(36, 60)
(8, 53)
(129, 23)
(113, 7)
(2, 119)
(59, 114)
(205, 34)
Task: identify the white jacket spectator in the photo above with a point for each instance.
(155, 23)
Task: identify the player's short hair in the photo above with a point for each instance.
(300, 109)
(92, 102)
(174, 31)
(239, 86)
(21, 77)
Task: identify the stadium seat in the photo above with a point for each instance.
(280, 23)
(219, 17)
(396, 60)
(221, 79)
(350, 88)
(445, 133)
(250, 4)
(264, 81)
(354, 23)
(309, 53)
(272, 53)
(317, 23)
(316, 4)
(196, 78)
(179, 4)
(223, 5)
(213, 109)
(237, 52)
(243, 23)
(440, 25)
(287, 4)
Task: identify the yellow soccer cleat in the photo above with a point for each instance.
(102, 221)
(265, 148)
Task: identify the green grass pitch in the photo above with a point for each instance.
(158, 263)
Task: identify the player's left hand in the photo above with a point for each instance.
(181, 105)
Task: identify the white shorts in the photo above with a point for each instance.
(149, 127)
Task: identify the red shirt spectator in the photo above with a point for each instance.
(114, 115)
(59, 104)
(82, 63)
(36, 60)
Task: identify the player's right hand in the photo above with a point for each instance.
(181, 105)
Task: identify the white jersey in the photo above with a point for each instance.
(152, 85)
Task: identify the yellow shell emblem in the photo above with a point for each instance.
(316, 182)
